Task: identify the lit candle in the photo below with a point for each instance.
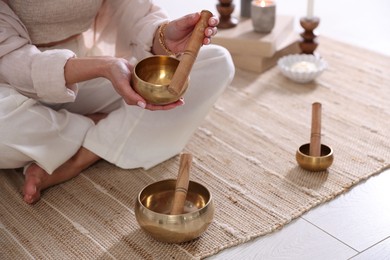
(310, 9)
(263, 3)
(263, 14)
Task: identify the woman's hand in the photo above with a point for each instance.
(178, 32)
(117, 71)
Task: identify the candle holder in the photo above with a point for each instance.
(225, 9)
(308, 44)
(263, 15)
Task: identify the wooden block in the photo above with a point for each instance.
(259, 64)
(243, 40)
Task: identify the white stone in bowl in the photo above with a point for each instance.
(301, 68)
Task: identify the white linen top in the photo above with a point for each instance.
(122, 28)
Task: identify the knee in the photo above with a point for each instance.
(218, 58)
(218, 62)
(211, 74)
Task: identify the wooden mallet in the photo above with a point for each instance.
(189, 56)
(182, 182)
(315, 136)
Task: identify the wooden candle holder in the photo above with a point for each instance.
(225, 9)
(308, 44)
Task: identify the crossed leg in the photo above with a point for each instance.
(37, 179)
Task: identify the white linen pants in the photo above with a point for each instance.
(129, 137)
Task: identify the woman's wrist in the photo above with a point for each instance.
(159, 42)
(81, 69)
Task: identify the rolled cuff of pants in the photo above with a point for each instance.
(33, 132)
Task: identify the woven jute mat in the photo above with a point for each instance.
(244, 153)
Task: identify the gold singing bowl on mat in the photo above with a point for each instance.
(153, 206)
(152, 76)
(314, 163)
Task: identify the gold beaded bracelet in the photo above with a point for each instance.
(161, 39)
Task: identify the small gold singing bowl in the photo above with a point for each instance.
(151, 78)
(154, 204)
(314, 163)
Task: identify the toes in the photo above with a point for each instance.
(28, 199)
(31, 199)
(32, 184)
(31, 194)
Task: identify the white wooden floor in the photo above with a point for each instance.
(355, 225)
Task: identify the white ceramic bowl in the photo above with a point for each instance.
(301, 68)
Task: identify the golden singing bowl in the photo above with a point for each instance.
(314, 163)
(151, 78)
(153, 206)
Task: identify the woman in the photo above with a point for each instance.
(65, 96)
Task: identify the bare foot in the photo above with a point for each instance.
(35, 178)
(96, 117)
